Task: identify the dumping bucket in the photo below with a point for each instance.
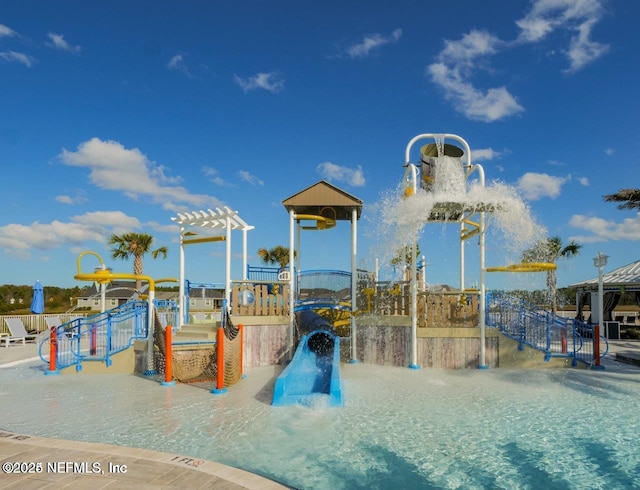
(429, 158)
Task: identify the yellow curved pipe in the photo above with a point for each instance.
(326, 222)
(88, 253)
(525, 267)
(105, 276)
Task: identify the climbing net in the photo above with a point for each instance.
(202, 363)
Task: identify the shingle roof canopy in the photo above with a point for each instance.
(627, 277)
(323, 199)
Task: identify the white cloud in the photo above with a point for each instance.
(6, 31)
(249, 178)
(609, 151)
(114, 167)
(332, 172)
(582, 50)
(213, 175)
(484, 154)
(535, 186)
(80, 198)
(583, 181)
(271, 82)
(492, 105)
(14, 56)
(456, 63)
(601, 230)
(465, 52)
(579, 16)
(178, 63)
(21, 240)
(58, 42)
(371, 42)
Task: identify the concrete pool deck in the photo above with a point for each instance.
(36, 462)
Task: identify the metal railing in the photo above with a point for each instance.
(98, 337)
(540, 329)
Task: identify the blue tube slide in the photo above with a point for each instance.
(313, 373)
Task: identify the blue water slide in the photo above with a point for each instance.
(314, 372)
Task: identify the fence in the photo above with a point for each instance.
(256, 298)
(98, 337)
(542, 330)
(38, 323)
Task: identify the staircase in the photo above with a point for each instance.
(540, 329)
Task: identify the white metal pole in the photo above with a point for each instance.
(151, 318)
(462, 249)
(600, 298)
(482, 300)
(244, 254)
(227, 292)
(181, 293)
(414, 306)
(354, 282)
(292, 247)
(103, 293)
(298, 242)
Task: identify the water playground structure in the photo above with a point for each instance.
(314, 320)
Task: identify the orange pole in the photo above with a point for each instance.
(563, 334)
(94, 341)
(53, 349)
(220, 361)
(168, 363)
(241, 333)
(596, 344)
(168, 358)
(219, 389)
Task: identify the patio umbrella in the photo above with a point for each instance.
(37, 302)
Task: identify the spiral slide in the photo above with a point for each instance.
(314, 372)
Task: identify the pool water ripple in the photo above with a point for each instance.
(399, 428)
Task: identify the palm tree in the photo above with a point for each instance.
(135, 245)
(550, 250)
(276, 255)
(630, 198)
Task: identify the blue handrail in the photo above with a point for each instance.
(542, 330)
(99, 337)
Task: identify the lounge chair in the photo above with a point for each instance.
(17, 332)
(52, 321)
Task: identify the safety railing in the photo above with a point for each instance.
(540, 329)
(259, 273)
(167, 312)
(95, 338)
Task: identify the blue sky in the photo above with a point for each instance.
(118, 115)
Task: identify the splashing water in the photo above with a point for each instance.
(399, 221)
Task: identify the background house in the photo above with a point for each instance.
(118, 292)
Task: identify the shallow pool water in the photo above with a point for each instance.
(399, 428)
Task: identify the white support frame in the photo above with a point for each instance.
(294, 254)
(411, 175)
(224, 218)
